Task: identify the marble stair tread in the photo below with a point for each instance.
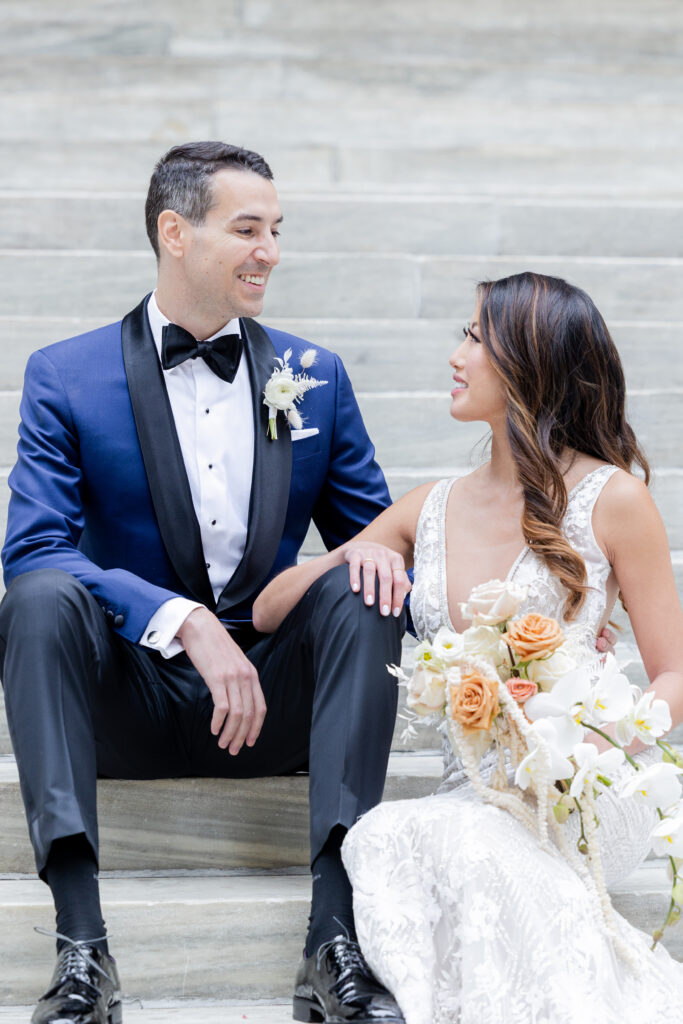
(222, 936)
(182, 1012)
(374, 222)
(520, 169)
(225, 937)
(202, 823)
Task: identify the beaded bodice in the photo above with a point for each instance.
(546, 595)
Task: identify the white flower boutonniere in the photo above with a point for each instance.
(285, 388)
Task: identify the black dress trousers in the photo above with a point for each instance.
(82, 701)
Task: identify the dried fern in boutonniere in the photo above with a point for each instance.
(285, 388)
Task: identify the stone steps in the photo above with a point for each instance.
(183, 824)
(374, 223)
(182, 1012)
(521, 169)
(100, 283)
(219, 936)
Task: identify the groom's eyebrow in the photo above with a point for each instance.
(254, 217)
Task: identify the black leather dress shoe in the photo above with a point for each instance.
(336, 985)
(84, 989)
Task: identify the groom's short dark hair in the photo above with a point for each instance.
(181, 180)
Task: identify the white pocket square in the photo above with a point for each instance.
(299, 435)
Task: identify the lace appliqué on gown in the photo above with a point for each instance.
(459, 911)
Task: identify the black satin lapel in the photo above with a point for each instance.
(161, 454)
(270, 479)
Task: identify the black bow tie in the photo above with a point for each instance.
(222, 355)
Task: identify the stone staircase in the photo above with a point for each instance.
(417, 149)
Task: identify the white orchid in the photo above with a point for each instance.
(564, 706)
(611, 698)
(667, 836)
(590, 764)
(656, 786)
(648, 719)
(544, 760)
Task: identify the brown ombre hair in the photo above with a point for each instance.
(565, 389)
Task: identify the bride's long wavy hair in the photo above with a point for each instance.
(565, 389)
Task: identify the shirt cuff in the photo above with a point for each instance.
(160, 632)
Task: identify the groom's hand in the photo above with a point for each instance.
(606, 642)
(239, 705)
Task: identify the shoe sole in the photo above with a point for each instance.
(310, 1012)
(307, 1010)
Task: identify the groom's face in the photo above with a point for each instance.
(227, 260)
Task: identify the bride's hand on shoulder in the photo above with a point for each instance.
(379, 572)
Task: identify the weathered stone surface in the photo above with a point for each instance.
(219, 937)
(194, 823)
(150, 1012)
(377, 223)
(379, 354)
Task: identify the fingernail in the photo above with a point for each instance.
(369, 599)
(385, 609)
(397, 612)
(355, 587)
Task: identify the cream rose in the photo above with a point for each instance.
(521, 689)
(426, 690)
(545, 672)
(533, 636)
(485, 642)
(281, 391)
(492, 603)
(474, 703)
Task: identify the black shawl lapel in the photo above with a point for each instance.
(161, 454)
(270, 480)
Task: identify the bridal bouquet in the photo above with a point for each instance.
(515, 686)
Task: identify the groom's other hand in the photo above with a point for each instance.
(239, 704)
(606, 642)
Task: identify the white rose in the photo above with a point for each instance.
(485, 642)
(494, 602)
(281, 390)
(426, 690)
(545, 672)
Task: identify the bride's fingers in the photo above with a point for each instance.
(354, 560)
(369, 570)
(401, 588)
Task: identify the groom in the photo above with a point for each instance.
(149, 507)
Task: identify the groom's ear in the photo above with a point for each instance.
(171, 228)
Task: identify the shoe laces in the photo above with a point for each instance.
(77, 958)
(347, 954)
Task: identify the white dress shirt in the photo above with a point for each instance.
(215, 427)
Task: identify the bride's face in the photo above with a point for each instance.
(478, 392)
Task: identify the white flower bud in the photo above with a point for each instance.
(308, 358)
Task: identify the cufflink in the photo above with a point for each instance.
(153, 636)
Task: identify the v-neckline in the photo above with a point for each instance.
(443, 547)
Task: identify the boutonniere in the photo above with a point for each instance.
(285, 388)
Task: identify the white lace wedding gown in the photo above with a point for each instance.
(459, 911)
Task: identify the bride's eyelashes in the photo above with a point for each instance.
(469, 333)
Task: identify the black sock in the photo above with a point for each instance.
(332, 903)
(71, 873)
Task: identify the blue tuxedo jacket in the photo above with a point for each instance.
(100, 490)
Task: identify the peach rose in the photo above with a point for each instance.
(521, 689)
(533, 636)
(474, 703)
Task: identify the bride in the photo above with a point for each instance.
(459, 910)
